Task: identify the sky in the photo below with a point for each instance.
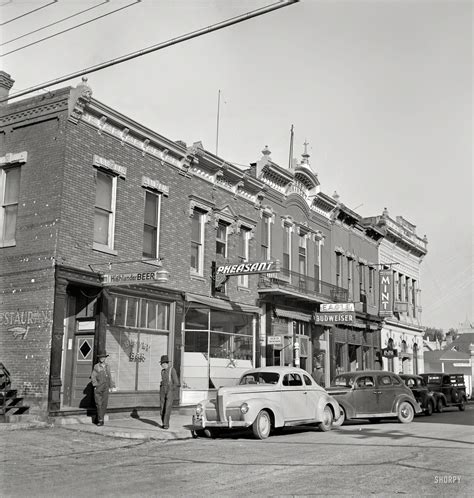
(381, 91)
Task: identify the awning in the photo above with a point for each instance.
(293, 314)
(221, 304)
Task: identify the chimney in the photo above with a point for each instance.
(5, 84)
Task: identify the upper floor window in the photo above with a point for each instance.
(221, 239)
(350, 277)
(197, 241)
(265, 238)
(362, 279)
(286, 247)
(244, 254)
(104, 216)
(317, 266)
(371, 284)
(302, 255)
(339, 269)
(9, 194)
(151, 225)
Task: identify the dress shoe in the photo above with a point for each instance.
(100, 423)
(165, 427)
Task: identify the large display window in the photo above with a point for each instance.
(218, 346)
(137, 335)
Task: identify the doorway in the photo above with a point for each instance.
(82, 390)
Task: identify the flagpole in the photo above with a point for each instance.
(217, 125)
(290, 159)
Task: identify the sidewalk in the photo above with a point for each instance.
(145, 426)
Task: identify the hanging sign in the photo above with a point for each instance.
(131, 278)
(249, 268)
(336, 307)
(326, 318)
(386, 292)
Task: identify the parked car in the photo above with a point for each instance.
(427, 399)
(267, 398)
(450, 388)
(373, 395)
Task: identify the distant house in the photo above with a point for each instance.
(456, 357)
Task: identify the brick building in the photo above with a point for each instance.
(114, 237)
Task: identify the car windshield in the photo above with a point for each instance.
(260, 378)
(343, 380)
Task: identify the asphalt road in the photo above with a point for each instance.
(431, 456)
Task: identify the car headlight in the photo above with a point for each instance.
(244, 408)
(199, 409)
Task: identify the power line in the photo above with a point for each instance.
(30, 12)
(71, 28)
(55, 22)
(159, 46)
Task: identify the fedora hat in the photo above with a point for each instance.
(164, 359)
(102, 354)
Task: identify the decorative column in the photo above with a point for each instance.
(59, 313)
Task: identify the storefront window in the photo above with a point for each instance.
(137, 335)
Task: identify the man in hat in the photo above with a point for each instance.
(168, 387)
(102, 381)
(318, 374)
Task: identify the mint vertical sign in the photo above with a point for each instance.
(386, 292)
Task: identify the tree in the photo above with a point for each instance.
(453, 333)
(433, 334)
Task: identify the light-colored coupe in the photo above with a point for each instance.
(267, 398)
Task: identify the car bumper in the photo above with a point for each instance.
(200, 423)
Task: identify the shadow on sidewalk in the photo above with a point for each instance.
(136, 416)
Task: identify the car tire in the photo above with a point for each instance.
(326, 424)
(462, 405)
(405, 413)
(429, 409)
(204, 433)
(341, 419)
(262, 426)
(440, 406)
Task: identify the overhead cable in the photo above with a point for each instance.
(71, 28)
(159, 46)
(28, 13)
(54, 23)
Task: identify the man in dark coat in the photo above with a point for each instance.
(102, 381)
(318, 374)
(168, 387)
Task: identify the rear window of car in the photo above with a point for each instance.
(385, 380)
(292, 380)
(307, 380)
(260, 378)
(434, 379)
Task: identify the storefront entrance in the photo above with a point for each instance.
(82, 391)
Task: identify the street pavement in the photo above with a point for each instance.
(141, 425)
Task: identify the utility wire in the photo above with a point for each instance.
(71, 28)
(54, 23)
(30, 12)
(159, 46)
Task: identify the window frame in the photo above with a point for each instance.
(111, 212)
(4, 242)
(199, 243)
(266, 237)
(222, 241)
(159, 200)
(243, 280)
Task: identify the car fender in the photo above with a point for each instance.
(256, 405)
(348, 408)
(400, 398)
(321, 405)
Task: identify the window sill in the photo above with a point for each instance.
(8, 243)
(196, 276)
(102, 248)
(243, 289)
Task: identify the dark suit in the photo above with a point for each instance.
(168, 387)
(102, 382)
